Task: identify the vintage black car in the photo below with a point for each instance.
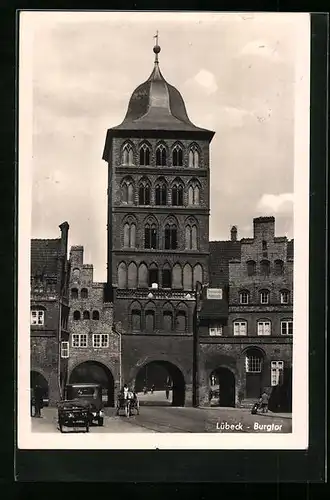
(91, 394)
(74, 413)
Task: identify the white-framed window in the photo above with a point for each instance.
(215, 330)
(79, 340)
(240, 328)
(38, 317)
(264, 327)
(253, 364)
(64, 350)
(101, 340)
(285, 297)
(287, 327)
(244, 297)
(264, 297)
(276, 372)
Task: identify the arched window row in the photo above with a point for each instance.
(163, 155)
(262, 327)
(160, 193)
(168, 320)
(77, 315)
(177, 277)
(75, 293)
(264, 297)
(265, 267)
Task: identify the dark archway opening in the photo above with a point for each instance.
(222, 392)
(37, 379)
(91, 372)
(160, 383)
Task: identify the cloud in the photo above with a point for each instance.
(260, 48)
(279, 204)
(205, 80)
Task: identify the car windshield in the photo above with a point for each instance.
(82, 392)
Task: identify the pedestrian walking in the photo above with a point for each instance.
(167, 392)
(152, 388)
(264, 402)
(38, 400)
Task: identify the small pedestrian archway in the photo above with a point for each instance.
(36, 378)
(160, 383)
(222, 387)
(97, 373)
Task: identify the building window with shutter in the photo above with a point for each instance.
(264, 328)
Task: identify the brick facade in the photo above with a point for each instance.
(49, 302)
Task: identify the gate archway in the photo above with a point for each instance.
(164, 382)
(36, 378)
(97, 373)
(222, 381)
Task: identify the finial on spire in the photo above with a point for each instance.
(156, 48)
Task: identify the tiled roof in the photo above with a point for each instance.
(214, 309)
(44, 256)
(221, 252)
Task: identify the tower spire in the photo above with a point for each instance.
(156, 48)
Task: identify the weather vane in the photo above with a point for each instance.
(156, 36)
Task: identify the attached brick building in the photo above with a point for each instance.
(158, 230)
(49, 313)
(250, 349)
(94, 344)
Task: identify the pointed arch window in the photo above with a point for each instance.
(167, 319)
(279, 267)
(177, 277)
(161, 194)
(86, 315)
(153, 275)
(144, 155)
(127, 189)
(191, 236)
(167, 276)
(132, 276)
(150, 236)
(181, 321)
(129, 234)
(136, 317)
(171, 236)
(161, 159)
(194, 157)
(193, 194)
(197, 275)
(96, 315)
(177, 156)
(251, 268)
(177, 195)
(187, 277)
(265, 267)
(122, 275)
(143, 276)
(84, 293)
(127, 155)
(144, 193)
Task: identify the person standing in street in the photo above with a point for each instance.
(264, 402)
(38, 398)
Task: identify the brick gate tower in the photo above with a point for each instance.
(158, 232)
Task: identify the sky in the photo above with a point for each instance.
(236, 74)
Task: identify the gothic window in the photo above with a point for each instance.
(144, 155)
(171, 241)
(150, 318)
(127, 155)
(251, 267)
(193, 194)
(161, 156)
(132, 275)
(166, 276)
(177, 194)
(161, 194)
(153, 275)
(167, 320)
(122, 275)
(197, 274)
(84, 293)
(127, 191)
(278, 267)
(265, 267)
(181, 321)
(193, 157)
(136, 316)
(143, 276)
(177, 156)
(129, 234)
(86, 315)
(191, 235)
(187, 277)
(96, 315)
(150, 236)
(76, 315)
(177, 277)
(144, 192)
(74, 293)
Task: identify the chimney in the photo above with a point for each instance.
(64, 227)
(76, 256)
(233, 233)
